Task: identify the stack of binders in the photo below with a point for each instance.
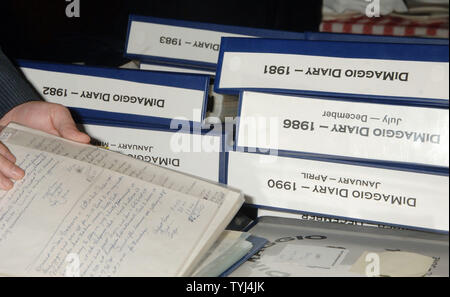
(185, 46)
(161, 113)
(340, 128)
(352, 130)
(153, 116)
(189, 47)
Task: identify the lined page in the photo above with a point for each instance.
(165, 177)
(229, 200)
(116, 225)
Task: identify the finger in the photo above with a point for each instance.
(66, 127)
(72, 133)
(6, 153)
(5, 183)
(10, 170)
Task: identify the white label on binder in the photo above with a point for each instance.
(155, 147)
(175, 42)
(357, 192)
(154, 67)
(114, 95)
(349, 129)
(335, 75)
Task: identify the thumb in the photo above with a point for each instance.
(71, 132)
(66, 127)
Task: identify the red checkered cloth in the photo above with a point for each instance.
(387, 25)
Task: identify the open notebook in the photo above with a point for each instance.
(108, 214)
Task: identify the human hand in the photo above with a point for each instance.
(48, 117)
(8, 170)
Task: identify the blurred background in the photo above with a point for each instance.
(41, 30)
(32, 29)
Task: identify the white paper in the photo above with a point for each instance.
(181, 43)
(345, 129)
(114, 95)
(346, 191)
(106, 185)
(200, 157)
(154, 67)
(409, 78)
(116, 225)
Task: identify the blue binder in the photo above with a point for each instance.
(382, 162)
(182, 25)
(253, 54)
(271, 194)
(176, 81)
(194, 131)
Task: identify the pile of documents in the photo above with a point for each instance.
(326, 129)
(86, 211)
